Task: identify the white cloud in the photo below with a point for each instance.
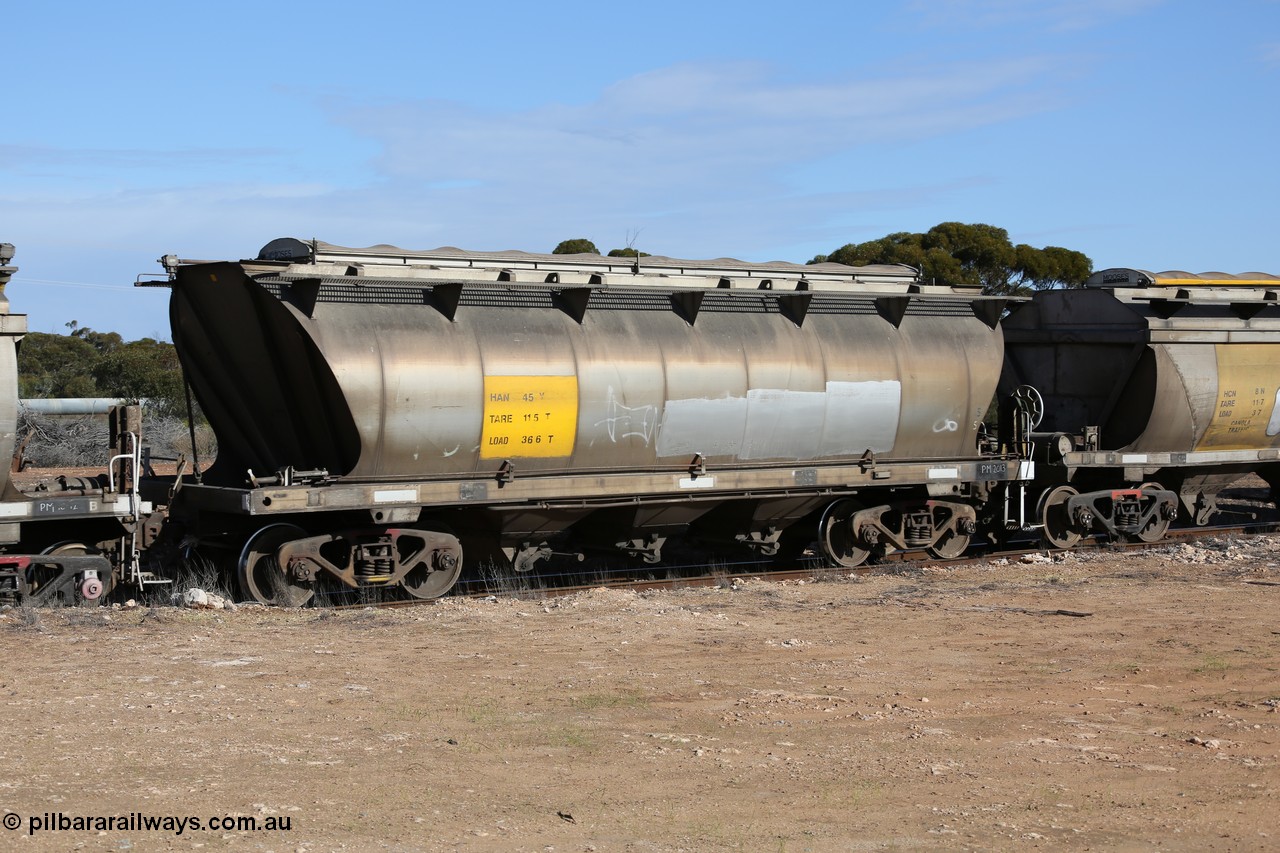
(710, 144)
(703, 157)
(700, 159)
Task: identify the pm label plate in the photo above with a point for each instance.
(473, 491)
(999, 470)
(65, 506)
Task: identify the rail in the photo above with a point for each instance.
(693, 575)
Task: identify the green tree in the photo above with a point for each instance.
(627, 253)
(86, 363)
(145, 369)
(103, 342)
(56, 366)
(959, 253)
(578, 246)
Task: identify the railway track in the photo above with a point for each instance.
(692, 575)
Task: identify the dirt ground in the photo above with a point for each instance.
(931, 708)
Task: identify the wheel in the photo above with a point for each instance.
(261, 576)
(425, 582)
(837, 539)
(1058, 529)
(1159, 525)
(433, 579)
(953, 544)
(90, 592)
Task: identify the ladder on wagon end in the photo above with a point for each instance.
(125, 430)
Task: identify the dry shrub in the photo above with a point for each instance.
(80, 441)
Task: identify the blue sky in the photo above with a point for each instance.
(1140, 132)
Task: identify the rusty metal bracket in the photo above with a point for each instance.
(697, 466)
(867, 462)
(506, 472)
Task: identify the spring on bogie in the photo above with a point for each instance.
(918, 529)
(374, 561)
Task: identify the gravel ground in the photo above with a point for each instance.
(930, 708)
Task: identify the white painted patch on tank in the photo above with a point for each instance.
(710, 427)
(847, 418)
(861, 416)
(783, 424)
(1273, 425)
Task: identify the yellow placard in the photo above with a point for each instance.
(1248, 381)
(529, 416)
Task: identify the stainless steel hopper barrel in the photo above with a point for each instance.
(378, 364)
(1159, 362)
